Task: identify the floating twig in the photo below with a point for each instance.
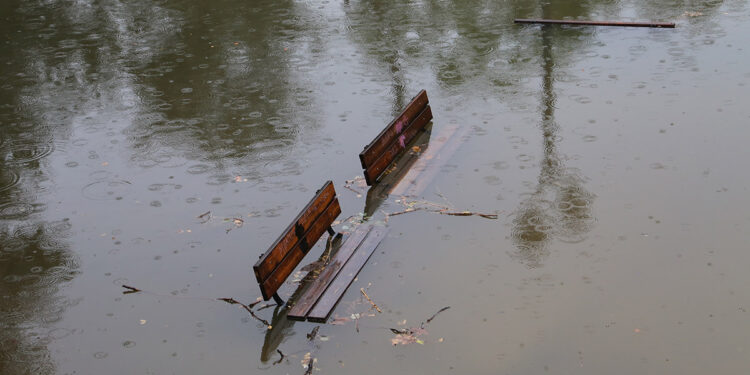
(371, 302)
(359, 182)
(469, 213)
(265, 306)
(313, 333)
(310, 366)
(416, 205)
(248, 308)
(405, 336)
(130, 289)
(406, 211)
(206, 215)
(436, 314)
(280, 359)
(354, 190)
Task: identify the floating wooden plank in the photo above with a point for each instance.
(271, 284)
(293, 233)
(373, 150)
(399, 144)
(597, 23)
(311, 295)
(440, 150)
(346, 276)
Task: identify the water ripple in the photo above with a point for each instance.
(106, 190)
(8, 179)
(28, 152)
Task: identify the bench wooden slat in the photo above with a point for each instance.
(373, 151)
(295, 255)
(336, 290)
(276, 253)
(303, 305)
(399, 143)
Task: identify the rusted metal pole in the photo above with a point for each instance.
(596, 23)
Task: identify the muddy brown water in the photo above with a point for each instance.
(614, 157)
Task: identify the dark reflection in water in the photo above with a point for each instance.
(35, 257)
(229, 87)
(457, 41)
(560, 206)
(35, 262)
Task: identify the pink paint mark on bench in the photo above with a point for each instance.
(400, 126)
(402, 141)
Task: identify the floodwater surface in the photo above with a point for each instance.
(165, 144)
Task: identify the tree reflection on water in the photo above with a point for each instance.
(559, 206)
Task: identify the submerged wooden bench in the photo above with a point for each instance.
(322, 295)
(383, 150)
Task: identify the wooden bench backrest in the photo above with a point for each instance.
(287, 251)
(381, 152)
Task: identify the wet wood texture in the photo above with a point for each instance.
(311, 295)
(287, 251)
(394, 133)
(327, 302)
(391, 153)
(596, 23)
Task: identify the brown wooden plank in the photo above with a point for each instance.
(333, 294)
(399, 144)
(596, 23)
(291, 235)
(422, 173)
(272, 283)
(305, 302)
(373, 151)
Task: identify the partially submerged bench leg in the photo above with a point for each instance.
(279, 301)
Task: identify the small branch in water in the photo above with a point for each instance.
(356, 191)
(280, 359)
(310, 366)
(406, 211)
(206, 216)
(371, 302)
(313, 333)
(416, 205)
(248, 308)
(468, 213)
(265, 306)
(130, 289)
(436, 314)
